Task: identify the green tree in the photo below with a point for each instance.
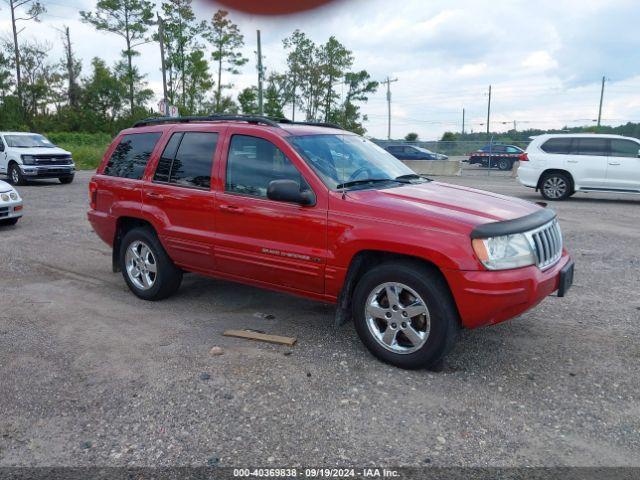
(227, 42)
(129, 19)
(411, 137)
(248, 100)
(103, 93)
(6, 82)
(335, 60)
(198, 82)
(359, 87)
(300, 50)
(126, 75)
(276, 94)
(41, 80)
(181, 32)
(448, 137)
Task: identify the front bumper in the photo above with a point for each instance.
(47, 171)
(10, 210)
(489, 297)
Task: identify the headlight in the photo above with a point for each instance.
(4, 197)
(502, 253)
(28, 159)
(13, 196)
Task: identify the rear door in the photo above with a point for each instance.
(623, 169)
(179, 194)
(587, 162)
(263, 240)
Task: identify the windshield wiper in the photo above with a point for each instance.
(412, 176)
(353, 183)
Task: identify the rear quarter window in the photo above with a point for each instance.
(624, 148)
(130, 157)
(560, 146)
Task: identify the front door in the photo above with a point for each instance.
(179, 192)
(263, 240)
(623, 169)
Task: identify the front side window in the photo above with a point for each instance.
(253, 163)
(560, 146)
(624, 148)
(592, 146)
(130, 157)
(339, 159)
(187, 160)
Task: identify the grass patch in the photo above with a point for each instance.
(87, 148)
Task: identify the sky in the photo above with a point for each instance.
(544, 59)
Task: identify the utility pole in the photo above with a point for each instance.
(488, 110)
(515, 126)
(260, 76)
(463, 121)
(164, 70)
(601, 98)
(389, 81)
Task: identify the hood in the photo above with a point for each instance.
(440, 204)
(41, 151)
(5, 187)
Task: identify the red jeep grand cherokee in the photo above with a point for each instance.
(317, 211)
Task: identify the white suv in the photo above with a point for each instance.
(26, 156)
(561, 164)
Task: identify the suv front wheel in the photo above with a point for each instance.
(146, 267)
(405, 315)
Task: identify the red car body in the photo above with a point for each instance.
(308, 250)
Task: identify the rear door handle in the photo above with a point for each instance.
(231, 208)
(614, 163)
(572, 161)
(155, 196)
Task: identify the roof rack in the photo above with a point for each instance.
(272, 122)
(207, 118)
(286, 121)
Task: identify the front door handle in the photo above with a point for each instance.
(155, 195)
(614, 163)
(231, 208)
(572, 161)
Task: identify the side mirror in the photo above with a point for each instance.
(638, 153)
(289, 191)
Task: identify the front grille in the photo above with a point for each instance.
(547, 244)
(4, 212)
(52, 160)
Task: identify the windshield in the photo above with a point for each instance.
(28, 141)
(340, 159)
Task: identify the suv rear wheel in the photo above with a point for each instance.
(556, 186)
(404, 314)
(146, 267)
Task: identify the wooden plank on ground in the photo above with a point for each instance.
(262, 337)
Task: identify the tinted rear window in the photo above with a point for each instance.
(131, 156)
(557, 145)
(187, 159)
(592, 146)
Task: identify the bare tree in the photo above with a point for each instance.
(32, 11)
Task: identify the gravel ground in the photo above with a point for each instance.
(89, 374)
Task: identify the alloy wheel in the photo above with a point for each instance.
(141, 265)
(397, 317)
(555, 187)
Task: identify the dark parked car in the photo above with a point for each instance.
(411, 152)
(502, 156)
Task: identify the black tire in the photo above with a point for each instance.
(504, 164)
(66, 180)
(556, 186)
(15, 175)
(434, 292)
(9, 221)
(167, 277)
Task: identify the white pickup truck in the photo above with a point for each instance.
(31, 156)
